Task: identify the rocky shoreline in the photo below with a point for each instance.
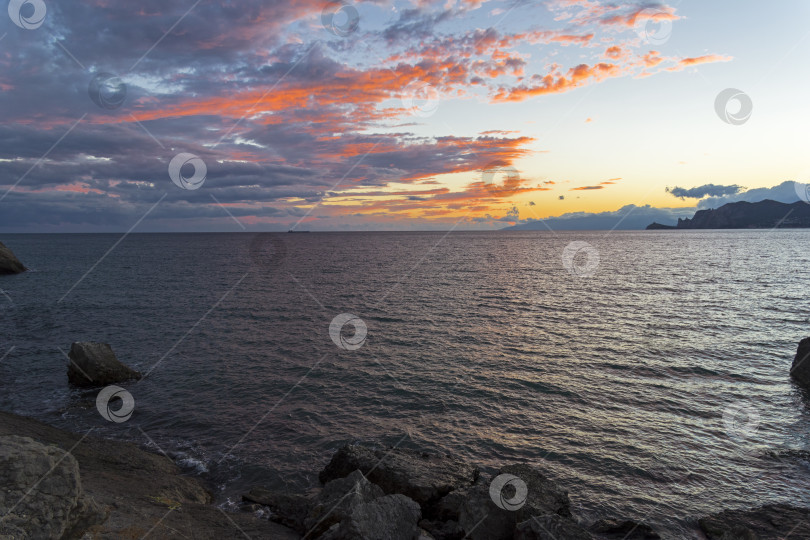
(59, 484)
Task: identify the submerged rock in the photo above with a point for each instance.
(766, 522)
(800, 370)
(41, 495)
(9, 263)
(95, 364)
(422, 477)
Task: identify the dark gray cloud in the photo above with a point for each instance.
(707, 190)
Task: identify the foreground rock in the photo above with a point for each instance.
(764, 523)
(392, 517)
(550, 527)
(9, 263)
(41, 495)
(482, 519)
(624, 530)
(422, 477)
(95, 364)
(800, 370)
(145, 493)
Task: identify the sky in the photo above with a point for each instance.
(220, 115)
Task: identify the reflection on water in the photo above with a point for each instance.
(615, 380)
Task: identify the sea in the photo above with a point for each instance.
(647, 372)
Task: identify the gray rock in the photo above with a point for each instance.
(9, 263)
(443, 530)
(422, 477)
(550, 527)
(624, 529)
(482, 519)
(337, 501)
(41, 495)
(95, 364)
(766, 522)
(289, 510)
(392, 517)
(800, 370)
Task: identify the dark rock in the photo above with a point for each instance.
(289, 510)
(41, 495)
(624, 529)
(443, 530)
(337, 501)
(482, 519)
(95, 364)
(392, 517)
(800, 370)
(766, 522)
(9, 263)
(550, 527)
(422, 477)
(655, 226)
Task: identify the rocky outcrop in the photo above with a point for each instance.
(287, 509)
(95, 364)
(800, 370)
(423, 477)
(338, 500)
(624, 530)
(9, 263)
(41, 495)
(765, 214)
(550, 527)
(764, 523)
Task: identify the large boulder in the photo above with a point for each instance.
(337, 501)
(766, 522)
(392, 517)
(423, 477)
(550, 527)
(9, 263)
(95, 364)
(482, 519)
(41, 495)
(800, 370)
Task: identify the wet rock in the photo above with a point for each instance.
(9, 263)
(393, 517)
(337, 501)
(288, 510)
(624, 529)
(443, 530)
(800, 370)
(41, 495)
(422, 477)
(550, 527)
(482, 519)
(95, 364)
(766, 522)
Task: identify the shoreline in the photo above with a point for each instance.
(147, 494)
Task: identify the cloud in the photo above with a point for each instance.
(707, 190)
(630, 217)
